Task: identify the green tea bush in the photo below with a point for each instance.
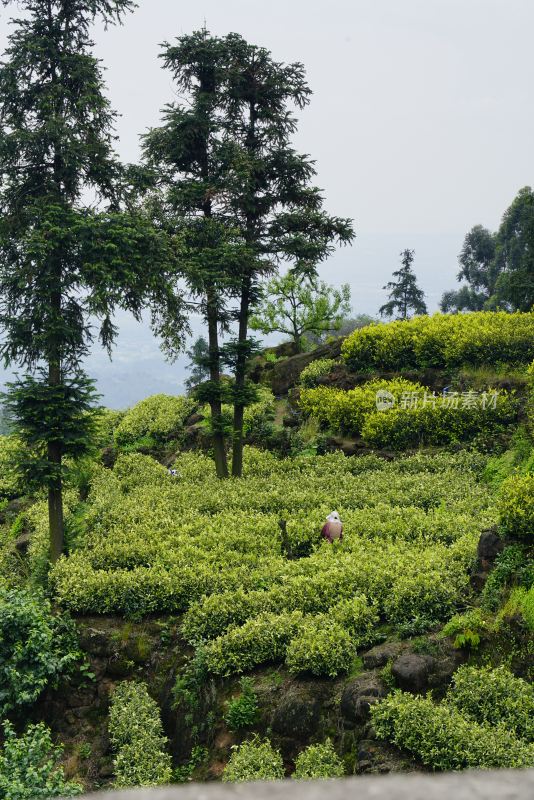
(155, 420)
(213, 550)
(11, 481)
(443, 341)
(424, 594)
(36, 647)
(443, 738)
(516, 507)
(346, 411)
(255, 760)
(318, 761)
(29, 766)
(243, 710)
(494, 696)
(321, 647)
(136, 734)
(262, 639)
(436, 424)
(319, 368)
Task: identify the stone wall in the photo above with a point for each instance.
(505, 785)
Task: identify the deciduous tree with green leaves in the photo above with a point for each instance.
(404, 294)
(297, 306)
(69, 251)
(479, 271)
(514, 258)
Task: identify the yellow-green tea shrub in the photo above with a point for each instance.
(321, 647)
(444, 739)
(154, 543)
(318, 761)
(319, 368)
(346, 411)
(494, 696)
(443, 341)
(255, 760)
(436, 424)
(516, 507)
(136, 734)
(158, 418)
(260, 640)
(11, 482)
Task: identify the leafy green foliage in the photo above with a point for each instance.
(467, 629)
(136, 734)
(158, 418)
(511, 566)
(255, 760)
(243, 710)
(516, 507)
(494, 696)
(29, 767)
(443, 341)
(443, 738)
(36, 647)
(318, 761)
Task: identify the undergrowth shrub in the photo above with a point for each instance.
(443, 738)
(30, 768)
(512, 566)
(467, 629)
(36, 647)
(242, 710)
(136, 734)
(255, 760)
(318, 761)
(493, 696)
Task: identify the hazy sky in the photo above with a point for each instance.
(421, 123)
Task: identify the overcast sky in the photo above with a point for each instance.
(421, 123)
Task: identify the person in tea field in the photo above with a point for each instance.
(333, 529)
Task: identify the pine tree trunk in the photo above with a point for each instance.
(240, 375)
(219, 449)
(55, 488)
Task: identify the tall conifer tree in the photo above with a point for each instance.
(190, 159)
(68, 250)
(404, 294)
(273, 201)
